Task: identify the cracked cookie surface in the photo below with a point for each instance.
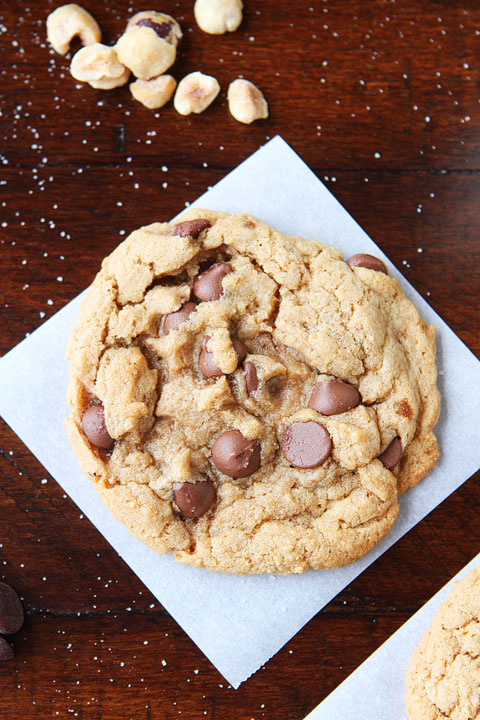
(443, 679)
(248, 400)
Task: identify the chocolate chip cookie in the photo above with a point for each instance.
(249, 400)
(443, 680)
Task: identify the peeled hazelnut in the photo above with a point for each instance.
(154, 93)
(99, 66)
(164, 25)
(246, 102)
(195, 93)
(106, 83)
(218, 16)
(145, 52)
(69, 21)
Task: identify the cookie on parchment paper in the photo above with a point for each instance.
(249, 400)
(443, 679)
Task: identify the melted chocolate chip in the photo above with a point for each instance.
(208, 286)
(306, 444)
(191, 228)
(93, 425)
(194, 499)
(174, 319)
(331, 397)
(367, 261)
(11, 610)
(162, 29)
(251, 377)
(6, 651)
(240, 349)
(234, 455)
(391, 456)
(206, 362)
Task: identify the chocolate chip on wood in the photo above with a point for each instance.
(6, 650)
(11, 610)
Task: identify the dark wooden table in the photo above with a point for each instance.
(381, 99)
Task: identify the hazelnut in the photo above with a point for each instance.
(148, 47)
(218, 16)
(99, 66)
(69, 21)
(195, 93)
(154, 93)
(164, 25)
(246, 102)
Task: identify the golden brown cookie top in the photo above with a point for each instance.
(265, 401)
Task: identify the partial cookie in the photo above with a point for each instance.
(443, 679)
(247, 399)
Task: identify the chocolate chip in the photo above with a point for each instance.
(330, 397)
(391, 456)
(93, 425)
(194, 499)
(191, 228)
(234, 455)
(240, 349)
(6, 651)
(206, 362)
(174, 319)
(11, 610)
(251, 377)
(306, 444)
(162, 29)
(367, 261)
(208, 285)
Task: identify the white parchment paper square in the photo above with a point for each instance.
(376, 690)
(238, 622)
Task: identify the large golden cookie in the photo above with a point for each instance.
(249, 400)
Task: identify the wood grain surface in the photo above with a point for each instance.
(380, 98)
